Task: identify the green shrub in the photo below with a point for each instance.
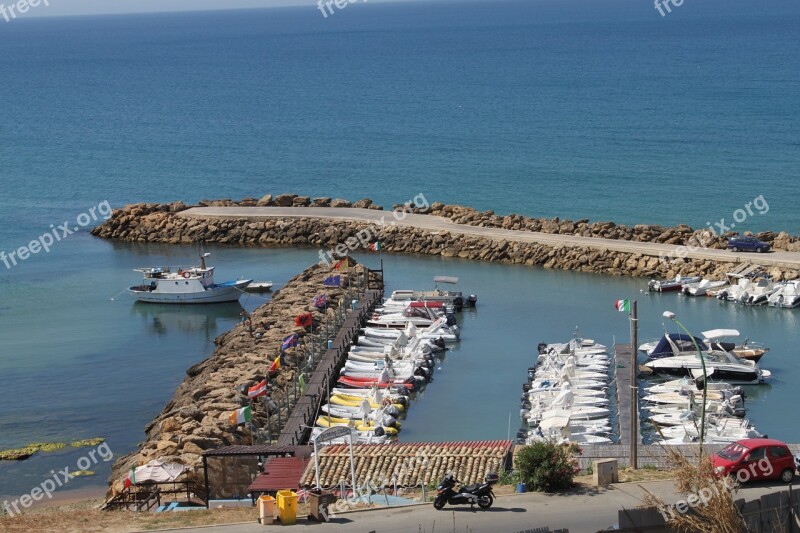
(547, 467)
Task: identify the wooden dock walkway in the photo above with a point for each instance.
(624, 359)
(297, 430)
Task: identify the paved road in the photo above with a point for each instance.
(586, 511)
(435, 223)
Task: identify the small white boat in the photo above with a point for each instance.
(786, 296)
(185, 285)
(703, 287)
(675, 284)
(259, 286)
(450, 297)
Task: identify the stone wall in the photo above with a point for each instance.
(158, 223)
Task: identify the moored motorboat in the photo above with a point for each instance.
(786, 296)
(674, 284)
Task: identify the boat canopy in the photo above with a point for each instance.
(719, 333)
(683, 342)
(445, 279)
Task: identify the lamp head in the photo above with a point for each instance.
(669, 314)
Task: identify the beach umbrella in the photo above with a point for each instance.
(159, 472)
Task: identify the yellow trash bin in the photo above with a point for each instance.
(287, 507)
(266, 510)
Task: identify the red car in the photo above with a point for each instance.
(755, 460)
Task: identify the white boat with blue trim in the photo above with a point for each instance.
(186, 285)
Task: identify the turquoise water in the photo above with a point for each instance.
(571, 109)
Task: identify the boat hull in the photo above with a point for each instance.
(218, 294)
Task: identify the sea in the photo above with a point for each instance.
(572, 108)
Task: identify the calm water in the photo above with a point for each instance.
(570, 109)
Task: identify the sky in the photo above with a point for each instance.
(96, 7)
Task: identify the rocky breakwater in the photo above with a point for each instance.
(161, 223)
(197, 417)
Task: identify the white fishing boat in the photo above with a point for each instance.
(787, 295)
(185, 285)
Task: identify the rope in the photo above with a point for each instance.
(120, 292)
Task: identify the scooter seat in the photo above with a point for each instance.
(471, 488)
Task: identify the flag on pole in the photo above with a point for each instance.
(131, 480)
(320, 301)
(332, 281)
(376, 246)
(623, 306)
(289, 342)
(241, 416)
(277, 363)
(259, 389)
(304, 320)
(343, 265)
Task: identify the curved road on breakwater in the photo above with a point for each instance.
(440, 224)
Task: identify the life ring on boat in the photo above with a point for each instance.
(187, 275)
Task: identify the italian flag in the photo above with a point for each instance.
(623, 306)
(240, 416)
(131, 480)
(376, 246)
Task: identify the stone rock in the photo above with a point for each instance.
(284, 200)
(340, 203)
(265, 201)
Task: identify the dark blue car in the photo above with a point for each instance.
(747, 244)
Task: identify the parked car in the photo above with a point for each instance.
(755, 460)
(748, 244)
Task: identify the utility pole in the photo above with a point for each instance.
(634, 388)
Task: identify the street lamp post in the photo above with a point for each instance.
(670, 315)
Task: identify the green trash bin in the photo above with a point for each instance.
(287, 507)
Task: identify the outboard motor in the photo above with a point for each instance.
(379, 432)
(526, 387)
(472, 301)
(542, 348)
(526, 405)
(458, 303)
(522, 433)
(451, 319)
(421, 375)
(392, 411)
(439, 343)
(389, 421)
